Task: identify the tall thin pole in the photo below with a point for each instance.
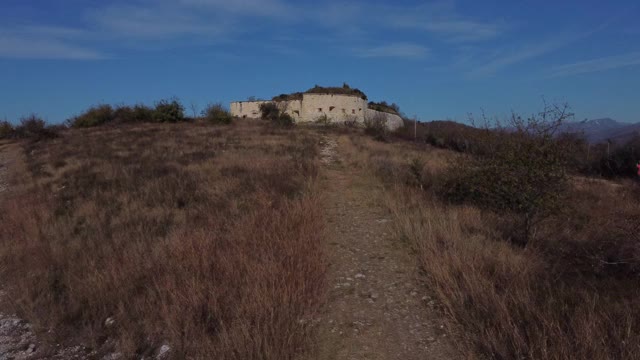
(415, 128)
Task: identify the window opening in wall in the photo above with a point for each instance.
(296, 112)
(353, 111)
(360, 109)
(319, 109)
(331, 108)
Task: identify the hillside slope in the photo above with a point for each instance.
(601, 130)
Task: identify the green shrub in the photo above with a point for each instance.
(164, 111)
(169, 111)
(94, 116)
(136, 114)
(345, 89)
(6, 130)
(217, 114)
(271, 112)
(384, 107)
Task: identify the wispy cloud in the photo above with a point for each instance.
(449, 29)
(555, 41)
(259, 8)
(596, 65)
(156, 24)
(464, 30)
(505, 58)
(399, 50)
(145, 22)
(445, 21)
(45, 43)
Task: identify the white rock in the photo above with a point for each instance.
(113, 356)
(163, 352)
(109, 322)
(360, 276)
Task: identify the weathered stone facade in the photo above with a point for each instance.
(336, 107)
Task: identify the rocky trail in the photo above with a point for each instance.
(376, 308)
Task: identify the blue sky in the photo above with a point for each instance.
(437, 59)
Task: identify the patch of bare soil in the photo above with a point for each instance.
(376, 307)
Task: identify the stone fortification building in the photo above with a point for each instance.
(310, 107)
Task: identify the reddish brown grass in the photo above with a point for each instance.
(208, 239)
(572, 294)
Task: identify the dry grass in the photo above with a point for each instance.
(573, 294)
(208, 239)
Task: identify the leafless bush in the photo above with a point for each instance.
(524, 173)
(34, 128)
(217, 114)
(6, 130)
(376, 126)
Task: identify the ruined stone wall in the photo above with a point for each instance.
(293, 108)
(393, 121)
(251, 109)
(337, 108)
(248, 109)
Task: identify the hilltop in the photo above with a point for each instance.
(601, 130)
(151, 234)
(345, 89)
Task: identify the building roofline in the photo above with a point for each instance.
(352, 95)
(244, 101)
(303, 95)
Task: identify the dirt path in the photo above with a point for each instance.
(376, 309)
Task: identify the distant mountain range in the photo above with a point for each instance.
(601, 130)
